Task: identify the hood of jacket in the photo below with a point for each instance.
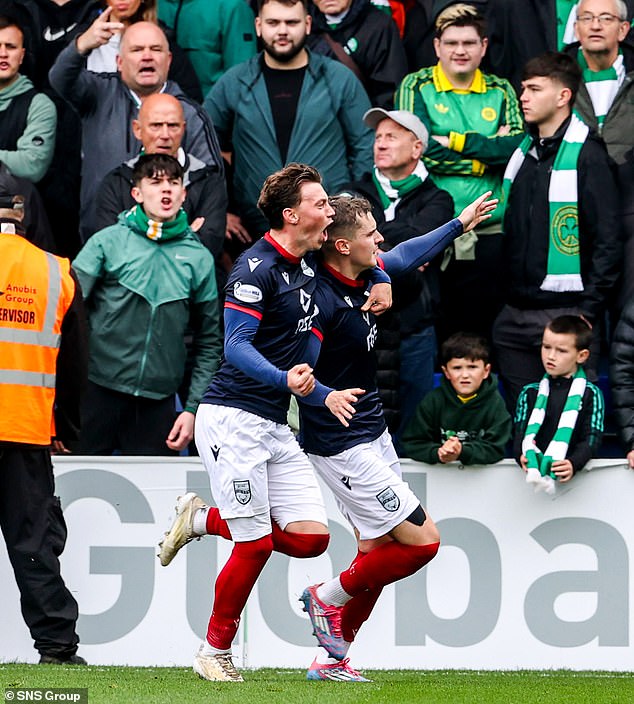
(19, 86)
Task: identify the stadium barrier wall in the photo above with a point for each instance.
(522, 580)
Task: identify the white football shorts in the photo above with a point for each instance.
(257, 472)
(367, 484)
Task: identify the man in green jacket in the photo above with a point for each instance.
(289, 105)
(475, 124)
(145, 281)
(28, 119)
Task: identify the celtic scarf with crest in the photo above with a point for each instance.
(563, 272)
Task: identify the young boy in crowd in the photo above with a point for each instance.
(465, 418)
(559, 420)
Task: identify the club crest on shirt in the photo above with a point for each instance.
(242, 490)
(389, 500)
(247, 293)
(306, 269)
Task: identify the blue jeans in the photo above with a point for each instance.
(418, 361)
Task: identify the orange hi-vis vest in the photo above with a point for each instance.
(36, 290)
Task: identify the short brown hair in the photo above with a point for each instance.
(574, 325)
(558, 67)
(289, 3)
(282, 190)
(464, 345)
(153, 165)
(348, 209)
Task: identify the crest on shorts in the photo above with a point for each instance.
(389, 500)
(242, 490)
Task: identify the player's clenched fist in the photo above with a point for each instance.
(300, 379)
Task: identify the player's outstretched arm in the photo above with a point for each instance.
(478, 211)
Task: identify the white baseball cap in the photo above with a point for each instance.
(402, 117)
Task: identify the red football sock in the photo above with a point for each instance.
(233, 586)
(216, 525)
(386, 564)
(357, 611)
(299, 544)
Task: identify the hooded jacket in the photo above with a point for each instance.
(482, 425)
(140, 296)
(32, 153)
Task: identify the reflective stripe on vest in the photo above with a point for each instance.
(45, 337)
(39, 379)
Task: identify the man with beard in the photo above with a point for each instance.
(288, 105)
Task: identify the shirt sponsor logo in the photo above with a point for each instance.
(247, 293)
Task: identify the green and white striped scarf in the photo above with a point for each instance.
(563, 270)
(602, 86)
(391, 192)
(539, 463)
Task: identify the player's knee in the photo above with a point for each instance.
(307, 544)
(259, 549)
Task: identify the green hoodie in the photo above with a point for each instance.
(35, 147)
(141, 294)
(483, 425)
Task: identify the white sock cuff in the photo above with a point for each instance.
(199, 524)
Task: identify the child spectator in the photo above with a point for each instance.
(465, 418)
(559, 421)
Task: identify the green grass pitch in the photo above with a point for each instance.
(145, 685)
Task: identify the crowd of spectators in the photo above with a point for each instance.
(418, 106)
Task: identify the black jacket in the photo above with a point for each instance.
(206, 197)
(622, 375)
(527, 229)
(417, 295)
(370, 37)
